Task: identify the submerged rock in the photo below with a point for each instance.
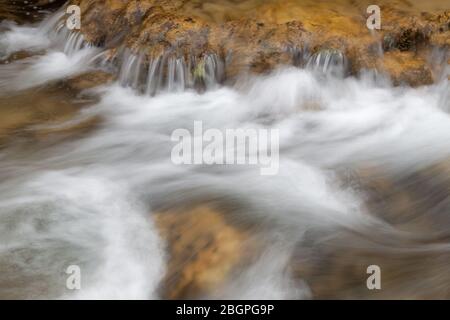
(412, 245)
(50, 111)
(203, 251)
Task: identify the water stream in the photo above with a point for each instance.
(88, 201)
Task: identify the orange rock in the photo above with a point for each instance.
(203, 250)
(407, 68)
(254, 36)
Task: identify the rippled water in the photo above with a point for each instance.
(88, 201)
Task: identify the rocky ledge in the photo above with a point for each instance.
(256, 36)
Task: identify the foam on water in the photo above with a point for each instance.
(39, 70)
(66, 53)
(30, 38)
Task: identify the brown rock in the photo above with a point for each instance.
(203, 250)
(407, 68)
(412, 255)
(89, 80)
(255, 36)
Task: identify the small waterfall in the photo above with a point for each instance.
(169, 72)
(326, 61)
(53, 23)
(66, 53)
(130, 70)
(300, 55)
(51, 33)
(214, 70)
(154, 76)
(75, 43)
(69, 41)
(329, 61)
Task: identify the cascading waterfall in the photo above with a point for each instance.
(169, 72)
(89, 201)
(52, 32)
(66, 51)
(328, 61)
(324, 61)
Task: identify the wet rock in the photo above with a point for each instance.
(328, 61)
(25, 11)
(51, 111)
(203, 250)
(89, 80)
(256, 36)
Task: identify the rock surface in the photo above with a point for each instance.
(49, 112)
(203, 250)
(256, 36)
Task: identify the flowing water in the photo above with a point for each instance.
(89, 200)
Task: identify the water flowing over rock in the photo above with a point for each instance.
(256, 36)
(169, 73)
